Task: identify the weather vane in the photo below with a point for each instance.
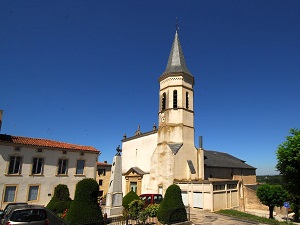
(177, 26)
(119, 150)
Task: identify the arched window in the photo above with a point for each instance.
(187, 100)
(163, 101)
(175, 99)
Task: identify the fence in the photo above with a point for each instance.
(55, 220)
(121, 221)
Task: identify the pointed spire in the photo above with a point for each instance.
(176, 62)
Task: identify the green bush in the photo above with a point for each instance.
(135, 207)
(61, 199)
(129, 197)
(152, 210)
(84, 208)
(172, 209)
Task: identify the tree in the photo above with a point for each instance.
(61, 199)
(85, 209)
(172, 209)
(288, 156)
(271, 196)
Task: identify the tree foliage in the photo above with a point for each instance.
(84, 208)
(288, 156)
(61, 199)
(129, 197)
(135, 208)
(271, 196)
(172, 209)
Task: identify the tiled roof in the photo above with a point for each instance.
(103, 164)
(221, 159)
(44, 143)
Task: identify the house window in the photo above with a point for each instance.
(10, 193)
(163, 102)
(187, 100)
(101, 172)
(175, 99)
(33, 193)
(133, 186)
(17, 148)
(39, 150)
(219, 187)
(62, 166)
(80, 166)
(15, 165)
(100, 182)
(38, 165)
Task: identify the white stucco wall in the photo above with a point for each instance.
(137, 152)
(49, 180)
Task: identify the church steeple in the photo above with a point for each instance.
(176, 62)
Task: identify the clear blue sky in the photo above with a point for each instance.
(86, 72)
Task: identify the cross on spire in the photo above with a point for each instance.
(177, 26)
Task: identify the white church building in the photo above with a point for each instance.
(152, 161)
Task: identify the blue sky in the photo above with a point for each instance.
(86, 72)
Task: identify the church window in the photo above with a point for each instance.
(163, 102)
(187, 100)
(175, 99)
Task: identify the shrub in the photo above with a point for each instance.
(171, 209)
(61, 199)
(135, 207)
(152, 210)
(84, 208)
(129, 197)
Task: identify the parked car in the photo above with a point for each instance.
(26, 215)
(8, 206)
(151, 198)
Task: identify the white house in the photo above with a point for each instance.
(30, 168)
(154, 160)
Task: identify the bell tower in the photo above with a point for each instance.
(175, 157)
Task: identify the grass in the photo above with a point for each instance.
(247, 216)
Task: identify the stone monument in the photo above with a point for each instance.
(114, 195)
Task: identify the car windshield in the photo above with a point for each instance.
(28, 215)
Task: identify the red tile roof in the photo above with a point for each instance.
(103, 164)
(38, 142)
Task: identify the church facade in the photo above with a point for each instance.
(154, 160)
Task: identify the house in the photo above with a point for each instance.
(30, 168)
(153, 160)
(103, 177)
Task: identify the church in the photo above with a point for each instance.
(153, 160)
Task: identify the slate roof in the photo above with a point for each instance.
(175, 147)
(136, 170)
(221, 159)
(176, 62)
(44, 143)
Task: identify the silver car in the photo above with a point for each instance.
(26, 215)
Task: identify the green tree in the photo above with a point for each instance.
(61, 199)
(84, 208)
(271, 196)
(288, 156)
(172, 209)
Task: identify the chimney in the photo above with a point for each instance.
(200, 142)
(1, 112)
